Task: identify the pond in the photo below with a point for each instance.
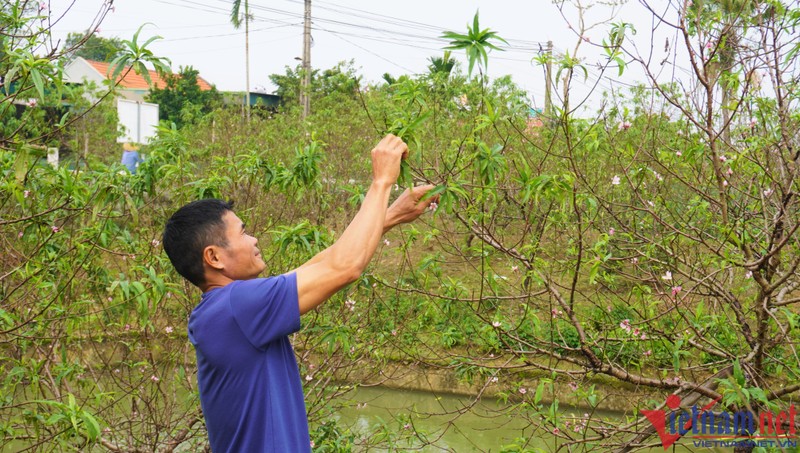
(482, 428)
(485, 427)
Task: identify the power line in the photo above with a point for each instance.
(180, 27)
(411, 23)
(367, 50)
(226, 34)
(514, 44)
(197, 7)
(207, 50)
(340, 21)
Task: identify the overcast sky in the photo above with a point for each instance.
(381, 36)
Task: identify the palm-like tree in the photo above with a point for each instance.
(237, 22)
(442, 65)
(477, 43)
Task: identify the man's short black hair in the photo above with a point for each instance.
(190, 230)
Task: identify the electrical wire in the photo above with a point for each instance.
(369, 51)
(340, 21)
(238, 33)
(514, 44)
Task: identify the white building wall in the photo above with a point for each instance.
(139, 120)
(79, 70)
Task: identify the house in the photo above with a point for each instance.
(534, 122)
(256, 98)
(137, 117)
(132, 86)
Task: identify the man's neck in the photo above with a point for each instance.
(215, 284)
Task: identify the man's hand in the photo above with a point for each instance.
(408, 206)
(386, 158)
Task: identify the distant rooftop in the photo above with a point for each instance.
(134, 81)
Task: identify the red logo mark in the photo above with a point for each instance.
(659, 420)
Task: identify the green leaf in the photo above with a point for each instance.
(620, 64)
(116, 67)
(21, 165)
(37, 82)
(406, 177)
(55, 418)
(738, 374)
(235, 19)
(64, 119)
(150, 40)
(91, 424)
(537, 397)
(676, 356)
(434, 192)
(759, 395)
(9, 79)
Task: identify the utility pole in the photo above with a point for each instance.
(247, 58)
(548, 80)
(305, 89)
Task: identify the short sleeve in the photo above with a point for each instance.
(266, 309)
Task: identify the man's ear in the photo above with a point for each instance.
(212, 257)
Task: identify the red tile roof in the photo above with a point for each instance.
(134, 81)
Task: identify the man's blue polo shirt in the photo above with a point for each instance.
(250, 387)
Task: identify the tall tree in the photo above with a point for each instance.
(237, 22)
(181, 100)
(443, 64)
(341, 78)
(93, 47)
(723, 45)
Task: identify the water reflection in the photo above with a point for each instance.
(452, 426)
(446, 419)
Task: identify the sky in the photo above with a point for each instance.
(380, 36)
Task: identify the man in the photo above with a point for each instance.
(250, 388)
(130, 157)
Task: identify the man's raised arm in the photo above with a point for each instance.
(344, 261)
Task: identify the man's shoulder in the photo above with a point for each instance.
(253, 288)
(263, 283)
(251, 282)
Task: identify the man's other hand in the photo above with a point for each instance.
(409, 206)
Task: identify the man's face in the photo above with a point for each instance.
(241, 257)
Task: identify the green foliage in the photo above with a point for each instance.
(182, 100)
(616, 37)
(441, 65)
(236, 17)
(328, 437)
(737, 393)
(93, 47)
(302, 237)
(632, 248)
(93, 124)
(490, 162)
(340, 82)
(31, 83)
(476, 43)
(72, 419)
(134, 56)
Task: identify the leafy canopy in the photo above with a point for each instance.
(181, 100)
(94, 47)
(136, 55)
(475, 43)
